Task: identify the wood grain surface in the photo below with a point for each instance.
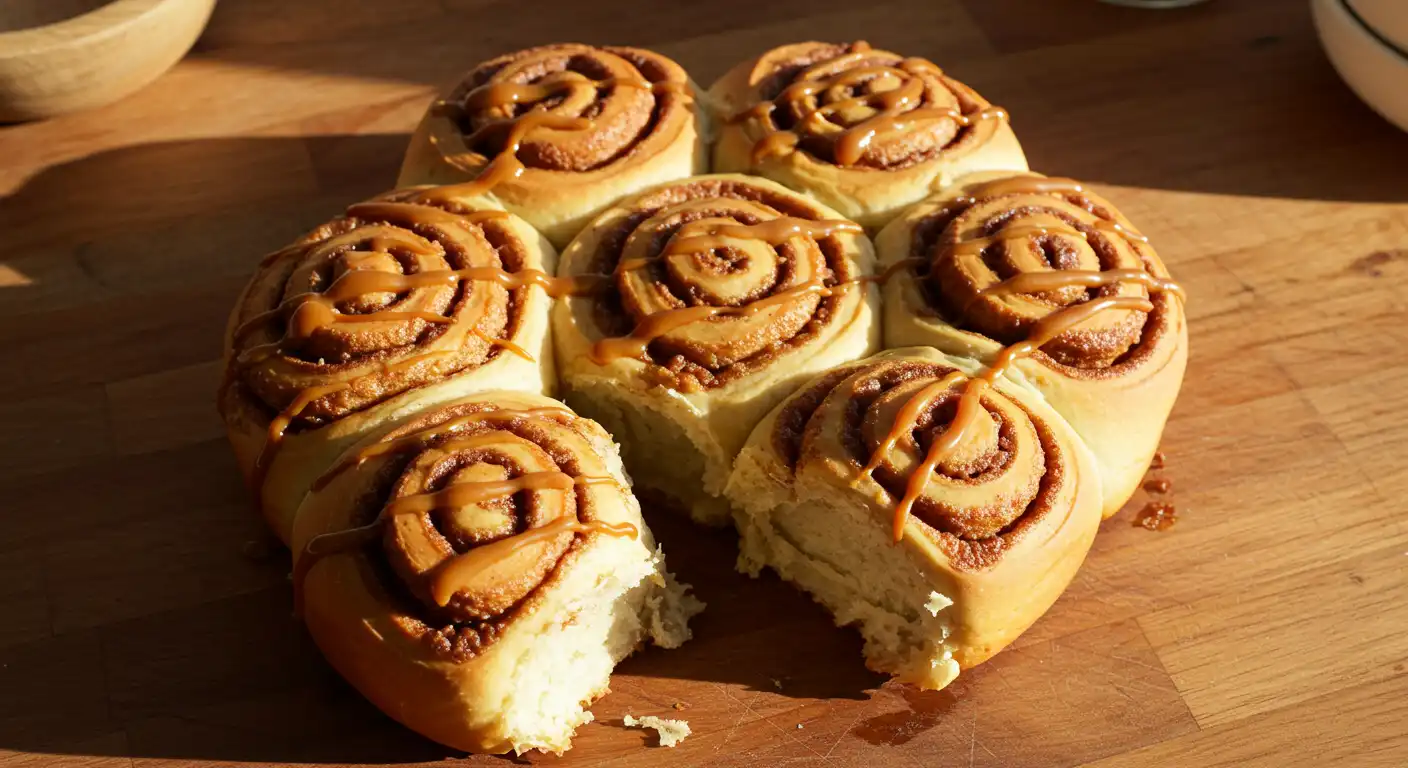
(145, 621)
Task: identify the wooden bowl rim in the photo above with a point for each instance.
(85, 27)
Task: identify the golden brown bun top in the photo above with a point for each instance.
(1010, 479)
(367, 347)
(991, 227)
(471, 125)
(734, 272)
(394, 508)
(819, 90)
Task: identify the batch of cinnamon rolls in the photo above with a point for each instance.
(823, 301)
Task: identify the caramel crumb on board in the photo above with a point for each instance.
(1159, 485)
(1156, 516)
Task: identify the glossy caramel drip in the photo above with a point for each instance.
(1159, 460)
(1046, 185)
(1042, 332)
(505, 165)
(700, 236)
(504, 344)
(307, 313)
(278, 426)
(554, 287)
(1057, 323)
(499, 95)
(905, 420)
(779, 143)
(1054, 280)
(1156, 516)
(703, 236)
(421, 438)
(969, 403)
(851, 145)
(890, 105)
(1027, 185)
(458, 570)
(655, 325)
(1023, 231)
(1158, 485)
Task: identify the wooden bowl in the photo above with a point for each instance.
(91, 58)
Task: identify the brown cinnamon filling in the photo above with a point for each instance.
(997, 265)
(377, 303)
(471, 511)
(713, 279)
(1049, 272)
(557, 107)
(866, 108)
(890, 415)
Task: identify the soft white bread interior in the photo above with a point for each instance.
(937, 602)
(503, 679)
(680, 416)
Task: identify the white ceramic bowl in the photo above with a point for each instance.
(1375, 68)
(1389, 18)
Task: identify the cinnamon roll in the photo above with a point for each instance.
(939, 521)
(392, 308)
(478, 570)
(558, 132)
(1047, 281)
(719, 296)
(865, 131)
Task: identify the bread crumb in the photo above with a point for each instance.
(936, 603)
(671, 732)
(799, 726)
(777, 684)
(678, 705)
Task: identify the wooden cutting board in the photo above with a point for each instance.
(1267, 627)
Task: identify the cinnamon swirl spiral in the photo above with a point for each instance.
(558, 132)
(477, 571)
(863, 130)
(989, 530)
(1047, 281)
(721, 294)
(391, 308)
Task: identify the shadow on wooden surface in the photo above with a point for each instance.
(162, 628)
(1223, 98)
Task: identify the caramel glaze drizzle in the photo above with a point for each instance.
(458, 571)
(307, 313)
(852, 142)
(1043, 331)
(417, 440)
(701, 236)
(1025, 185)
(505, 165)
(708, 236)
